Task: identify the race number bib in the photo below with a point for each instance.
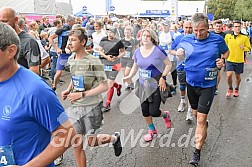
(211, 73)
(96, 54)
(78, 83)
(144, 74)
(165, 47)
(107, 68)
(6, 156)
(127, 54)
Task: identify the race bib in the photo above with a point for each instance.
(78, 83)
(6, 156)
(211, 73)
(107, 68)
(144, 74)
(127, 54)
(96, 54)
(165, 47)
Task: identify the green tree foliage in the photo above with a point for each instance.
(243, 10)
(221, 8)
(232, 9)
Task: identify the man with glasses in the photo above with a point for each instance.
(237, 44)
(29, 55)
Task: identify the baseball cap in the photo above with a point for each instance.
(112, 29)
(166, 23)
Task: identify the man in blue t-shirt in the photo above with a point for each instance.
(62, 34)
(200, 52)
(33, 125)
(187, 26)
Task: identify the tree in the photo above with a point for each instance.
(221, 8)
(243, 10)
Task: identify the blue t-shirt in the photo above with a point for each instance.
(152, 65)
(29, 112)
(63, 36)
(201, 55)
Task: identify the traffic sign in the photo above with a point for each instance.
(111, 8)
(84, 8)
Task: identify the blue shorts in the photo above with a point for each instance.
(236, 67)
(62, 60)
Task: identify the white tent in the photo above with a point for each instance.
(38, 6)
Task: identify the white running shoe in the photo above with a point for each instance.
(58, 161)
(181, 107)
(189, 115)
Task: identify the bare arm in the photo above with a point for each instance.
(225, 55)
(122, 53)
(62, 140)
(51, 41)
(35, 69)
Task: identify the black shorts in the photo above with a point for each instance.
(200, 98)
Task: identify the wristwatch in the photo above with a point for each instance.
(164, 77)
(83, 94)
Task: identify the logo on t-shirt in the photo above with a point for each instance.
(6, 113)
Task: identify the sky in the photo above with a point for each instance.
(98, 7)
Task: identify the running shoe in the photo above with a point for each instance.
(189, 115)
(131, 86)
(117, 145)
(150, 135)
(106, 108)
(167, 120)
(236, 93)
(229, 93)
(127, 88)
(195, 159)
(54, 89)
(118, 90)
(58, 161)
(181, 107)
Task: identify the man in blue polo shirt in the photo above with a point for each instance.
(34, 129)
(201, 53)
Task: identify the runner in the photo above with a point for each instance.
(201, 62)
(111, 50)
(131, 44)
(84, 93)
(97, 36)
(166, 37)
(33, 119)
(218, 26)
(154, 66)
(62, 35)
(237, 44)
(181, 72)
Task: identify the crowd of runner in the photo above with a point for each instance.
(190, 53)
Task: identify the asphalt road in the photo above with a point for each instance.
(228, 144)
